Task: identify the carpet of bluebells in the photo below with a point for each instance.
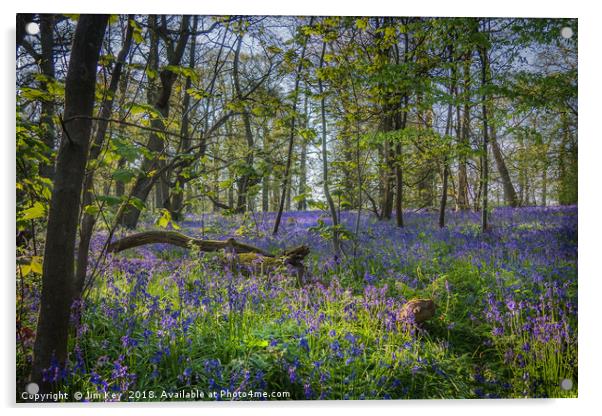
(161, 320)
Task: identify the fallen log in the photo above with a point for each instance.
(249, 256)
(249, 252)
(178, 239)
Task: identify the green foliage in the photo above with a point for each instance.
(124, 175)
(327, 231)
(144, 109)
(164, 220)
(136, 31)
(38, 210)
(184, 71)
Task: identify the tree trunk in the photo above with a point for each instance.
(265, 180)
(181, 240)
(144, 183)
(398, 187)
(333, 212)
(50, 346)
(463, 200)
(302, 204)
(291, 140)
(400, 123)
(509, 192)
(426, 184)
(247, 255)
(106, 109)
(122, 162)
(176, 200)
(448, 126)
(485, 162)
(388, 173)
(247, 179)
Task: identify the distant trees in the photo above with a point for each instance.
(232, 115)
(160, 101)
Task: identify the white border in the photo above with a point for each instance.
(590, 154)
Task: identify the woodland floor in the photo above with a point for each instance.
(163, 321)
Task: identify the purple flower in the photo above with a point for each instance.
(308, 391)
(292, 374)
(304, 344)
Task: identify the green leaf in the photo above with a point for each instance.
(25, 269)
(123, 175)
(109, 200)
(126, 150)
(137, 203)
(274, 49)
(261, 343)
(361, 24)
(184, 71)
(136, 32)
(163, 220)
(197, 93)
(136, 109)
(36, 264)
(35, 94)
(91, 209)
(36, 211)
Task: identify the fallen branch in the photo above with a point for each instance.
(181, 240)
(249, 256)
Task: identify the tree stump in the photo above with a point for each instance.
(417, 311)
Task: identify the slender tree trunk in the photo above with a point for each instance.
(176, 201)
(360, 184)
(389, 168)
(289, 190)
(302, 204)
(567, 164)
(509, 192)
(122, 162)
(521, 169)
(333, 212)
(401, 122)
(426, 184)
(230, 196)
(544, 186)
(398, 187)
(216, 188)
(389, 108)
(443, 204)
(145, 182)
(88, 221)
(452, 89)
(463, 200)
(58, 271)
(484, 157)
(291, 140)
(120, 186)
(265, 180)
(246, 180)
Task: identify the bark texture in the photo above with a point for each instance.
(50, 346)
